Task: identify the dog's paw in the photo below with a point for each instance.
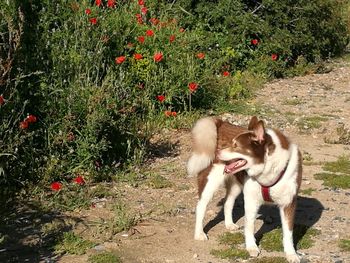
(232, 226)
(201, 236)
(293, 258)
(253, 251)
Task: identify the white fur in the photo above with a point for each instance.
(204, 135)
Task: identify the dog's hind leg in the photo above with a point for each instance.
(216, 178)
(233, 188)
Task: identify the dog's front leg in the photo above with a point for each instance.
(287, 219)
(251, 207)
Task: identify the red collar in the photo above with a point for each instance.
(265, 189)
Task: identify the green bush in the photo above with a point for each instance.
(82, 91)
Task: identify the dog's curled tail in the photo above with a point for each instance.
(204, 141)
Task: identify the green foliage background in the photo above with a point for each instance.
(94, 115)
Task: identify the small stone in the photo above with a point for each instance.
(100, 248)
(195, 256)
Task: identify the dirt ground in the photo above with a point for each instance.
(165, 233)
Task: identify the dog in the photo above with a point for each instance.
(262, 163)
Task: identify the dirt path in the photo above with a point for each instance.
(309, 110)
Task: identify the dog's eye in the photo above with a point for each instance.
(255, 142)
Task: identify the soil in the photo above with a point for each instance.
(165, 231)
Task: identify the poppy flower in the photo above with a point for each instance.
(24, 125)
(141, 39)
(274, 57)
(88, 11)
(173, 113)
(111, 3)
(93, 20)
(182, 30)
(56, 186)
(2, 100)
(139, 19)
(201, 55)
(161, 98)
(226, 73)
(79, 180)
(138, 56)
(158, 57)
(31, 119)
(154, 21)
(172, 38)
(167, 113)
(120, 60)
(141, 2)
(144, 10)
(98, 2)
(193, 86)
(254, 42)
(150, 33)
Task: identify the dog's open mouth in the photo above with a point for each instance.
(233, 165)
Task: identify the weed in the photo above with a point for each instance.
(292, 102)
(341, 165)
(269, 260)
(272, 241)
(105, 257)
(344, 244)
(313, 122)
(72, 244)
(231, 238)
(307, 157)
(157, 181)
(230, 253)
(100, 191)
(307, 191)
(122, 220)
(334, 180)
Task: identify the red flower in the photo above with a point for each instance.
(182, 30)
(31, 119)
(167, 113)
(144, 10)
(138, 56)
(201, 55)
(141, 2)
(141, 39)
(24, 125)
(274, 57)
(139, 19)
(193, 86)
(150, 33)
(173, 113)
(56, 186)
(98, 2)
(79, 180)
(88, 11)
(120, 60)
(161, 98)
(254, 42)
(158, 57)
(93, 20)
(2, 100)
(111, 3)
(130, 45)
(154, 21)
(172, 38)
(226, 73)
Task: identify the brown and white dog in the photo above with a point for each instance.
(262, 160)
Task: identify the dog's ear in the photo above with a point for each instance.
(259, 131)
(253, 122)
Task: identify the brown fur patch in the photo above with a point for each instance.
(202, 179)
(226, 133)
(289, 212)
(283, 139)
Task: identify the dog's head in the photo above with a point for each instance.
(248, 150)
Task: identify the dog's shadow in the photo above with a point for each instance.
(308, 212)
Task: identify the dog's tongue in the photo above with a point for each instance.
(234, 165)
